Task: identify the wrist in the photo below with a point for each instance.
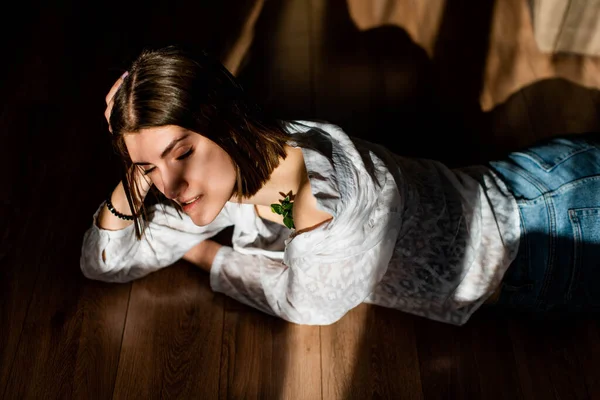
(119, 201)
(107, 219)
(203, 254)
(115, 212)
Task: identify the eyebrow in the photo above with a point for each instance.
(167, 149)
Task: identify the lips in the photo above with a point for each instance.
(191, 203)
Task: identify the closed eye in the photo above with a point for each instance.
(147, 171)
(186, 154)
(181, 157)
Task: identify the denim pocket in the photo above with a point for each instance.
(585, 279)
(554, 153)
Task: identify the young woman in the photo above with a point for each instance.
(323, 221)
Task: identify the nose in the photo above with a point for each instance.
(173, 186)
(171, 194)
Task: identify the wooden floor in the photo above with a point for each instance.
(453, 81)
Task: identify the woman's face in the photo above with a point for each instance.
(186, 167)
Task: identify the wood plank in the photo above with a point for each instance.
(346, 361)
(587, 342)
(475, 360)
(546, 358)
(20, 268)
(28, 159)
(509, 127)
(172, 340)
(345, 80)
(512, 57)
(51, 351)
(406, 116)
(102, 309)
(494, 356)
(420, 20)
(515, 60)
(447, 361)
(458, 63)
(557, 106)
(268, 358)
(25, 18)
(279, 79)
(278, 71)
(54, 347)
(17, 282)
(370, 353)
(379, 93)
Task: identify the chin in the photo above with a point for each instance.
(202, 219)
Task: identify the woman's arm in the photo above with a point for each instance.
(107, 220)
(312, 289)
(118, 256)
(203, 254)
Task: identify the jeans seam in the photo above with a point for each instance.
(577, 236)
(548, 201)
(552, 251)
(540, 186)
(559, 190)
(529, 178)
(572, 184)
(546, 166)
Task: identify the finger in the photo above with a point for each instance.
(107, 113)
(108, 109)
(115, 87)
(113, 90)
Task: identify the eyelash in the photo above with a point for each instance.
(181, 157)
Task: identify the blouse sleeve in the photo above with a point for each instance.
(312, 289)
(118, 256)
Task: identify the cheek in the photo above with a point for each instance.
(215, 170)
(159, 185)
(194, 173)
(227, 172)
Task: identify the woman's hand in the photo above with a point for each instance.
(203, 254)
(109, 98)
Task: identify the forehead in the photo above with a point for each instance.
(149, 143)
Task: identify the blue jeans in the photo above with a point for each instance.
(557, 186)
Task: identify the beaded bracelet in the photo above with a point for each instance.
(114, 212)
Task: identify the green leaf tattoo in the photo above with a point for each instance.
(286, 209)
(277, 209)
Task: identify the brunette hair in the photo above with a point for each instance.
(189, 88)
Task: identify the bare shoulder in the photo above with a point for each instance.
(306, 214)
(293, 176)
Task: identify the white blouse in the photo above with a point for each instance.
(408, 234)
